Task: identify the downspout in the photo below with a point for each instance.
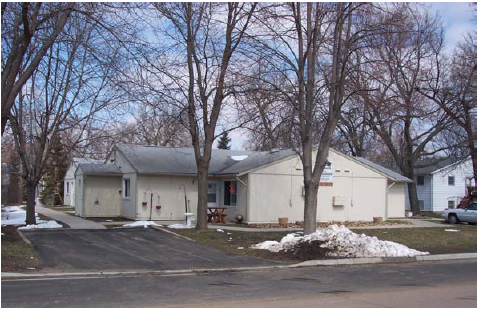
(83, 196)
(247, 195)
(386, 200)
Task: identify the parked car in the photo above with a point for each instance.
(457, 215)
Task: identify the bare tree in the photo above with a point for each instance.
(312, 45)
(454, 90)
(28, 31)
(403, 56)
(70, 85)
(207, 35)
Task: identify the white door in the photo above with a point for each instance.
(213, 193)
(72, 194)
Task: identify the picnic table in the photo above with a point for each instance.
(216, 215)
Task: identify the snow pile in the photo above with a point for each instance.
(239, 158)
(179, 226)
(15, 215)
(451, 230)
(221, 231)
(344, 243)
(145, 224)
(51, 224)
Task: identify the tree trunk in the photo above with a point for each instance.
(310, 209)
(413, 197)
(30, 203)
(202, 198)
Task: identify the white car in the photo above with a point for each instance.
(454, 216)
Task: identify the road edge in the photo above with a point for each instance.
(312, 263)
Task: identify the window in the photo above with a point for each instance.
(472, 206)
(451, 180)
(421, 204)
(126, 188)
(230, 193)
(420, 180)
(451, 204)
(212, 193)
(67, 187)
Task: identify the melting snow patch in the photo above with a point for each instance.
(240, 248)
(52, 224)
(239, 158)
(344, 243)
(219, 230)
(15, 215)
(451, 230)
(145, 224)
(179, 226)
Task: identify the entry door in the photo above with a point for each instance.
(212, 193)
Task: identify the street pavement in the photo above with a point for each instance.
(424, 284)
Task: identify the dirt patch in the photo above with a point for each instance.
(349, 224)
(17, 256)
(304, 251)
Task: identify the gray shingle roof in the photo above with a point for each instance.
(97, 169)
(181, 161)
(389, 173)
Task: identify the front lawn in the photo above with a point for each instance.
(17, 256)
(235, 242)
(432, 239)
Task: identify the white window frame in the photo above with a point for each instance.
(124, 188)
(218, 194)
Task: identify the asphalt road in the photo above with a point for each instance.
(128, 249)
(430, 284)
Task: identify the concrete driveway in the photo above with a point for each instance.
(128, 249)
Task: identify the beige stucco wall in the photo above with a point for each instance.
(170, 190)
(276, 191)
(396, 200)
(102, 198)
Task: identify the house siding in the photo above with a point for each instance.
(442, 192)
(424, 193)
(276, 191)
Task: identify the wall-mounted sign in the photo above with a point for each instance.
(327, 174)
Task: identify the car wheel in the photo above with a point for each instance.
(452, 219)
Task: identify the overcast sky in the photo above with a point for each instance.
(458, 18)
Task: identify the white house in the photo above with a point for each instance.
(159, 183)
(443, 185)
(69, 182)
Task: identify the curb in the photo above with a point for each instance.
(337, 262)
(23, 237)
(358, 261)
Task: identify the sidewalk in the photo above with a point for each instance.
(415, 223)
(73, 222)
